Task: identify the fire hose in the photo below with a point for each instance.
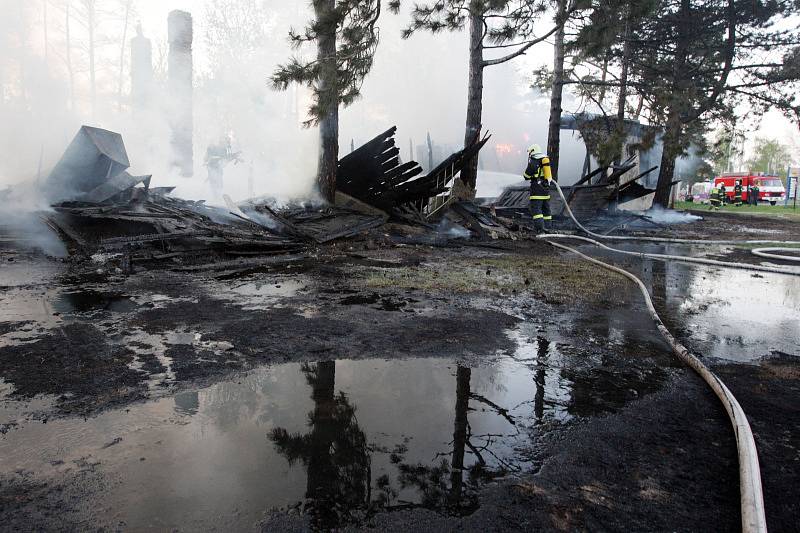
(763, 252)
(766, 252)
(750, 488)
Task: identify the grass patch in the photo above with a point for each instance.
(558, 279)
(772, 210)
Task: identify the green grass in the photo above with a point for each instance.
(775, 210)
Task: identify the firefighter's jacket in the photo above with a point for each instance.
(539, 174)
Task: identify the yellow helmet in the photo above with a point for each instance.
(535, 149)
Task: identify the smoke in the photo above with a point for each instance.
(669, 216)
(42, 105)
(451, 230)
(21, 213)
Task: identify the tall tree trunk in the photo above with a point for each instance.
(70, 71)
(90, 21)
(329, 98)
(621, 134)
(603, 78)
(554, 132)
(674, 126)
(122, 53)
(671, 143)
(469, 174)
(46, 40)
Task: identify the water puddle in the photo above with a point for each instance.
(333, 439)
(46, 308)
(255, 293)
(26, 273)
(84, 301)
(151, 352)
(719, 312)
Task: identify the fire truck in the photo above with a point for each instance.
(770, 188)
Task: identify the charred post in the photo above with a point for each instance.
(180, 90)
(141, 70)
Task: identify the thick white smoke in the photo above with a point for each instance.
(419, 91)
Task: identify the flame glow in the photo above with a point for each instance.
(503, 148)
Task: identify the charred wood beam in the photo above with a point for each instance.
(373, 174)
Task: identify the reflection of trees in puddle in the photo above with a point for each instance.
(338, 459)
(431, 481)
(335, 451)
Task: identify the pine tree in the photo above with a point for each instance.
(504, 26)
(698, 58)
(690, 63)
(346, 35)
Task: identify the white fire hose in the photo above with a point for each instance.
(744, 266)
(750, 489)
(766, 252)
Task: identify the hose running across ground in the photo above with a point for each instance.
(743, 266)
(766, 252)
(750, 489)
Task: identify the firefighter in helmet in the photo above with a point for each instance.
(539, 174)
(737, 194)
(714, 198)
(723, 194)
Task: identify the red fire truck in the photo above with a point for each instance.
(770, 188)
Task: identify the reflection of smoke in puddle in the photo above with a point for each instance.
(343, 434)
(381, 429)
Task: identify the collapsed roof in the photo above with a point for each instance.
(94, 158)
(98, 206)
(373, 174)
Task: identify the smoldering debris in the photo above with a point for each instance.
(606, 194)
(102, 212)
(107, 216)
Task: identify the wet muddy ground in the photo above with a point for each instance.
(504, 386)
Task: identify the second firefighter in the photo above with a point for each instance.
(539, 174)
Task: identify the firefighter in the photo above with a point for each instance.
(723, 195)
(714, 199)
(737, 194)
(754, 193)
(217, 158)
(539, 174)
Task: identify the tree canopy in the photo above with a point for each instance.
(354, 24)
(770, 156)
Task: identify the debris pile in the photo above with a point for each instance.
(319, 224)
(158, 228)
(102, 211)
(593, 195)
(374, 175)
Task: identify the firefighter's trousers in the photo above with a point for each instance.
(540, 205)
